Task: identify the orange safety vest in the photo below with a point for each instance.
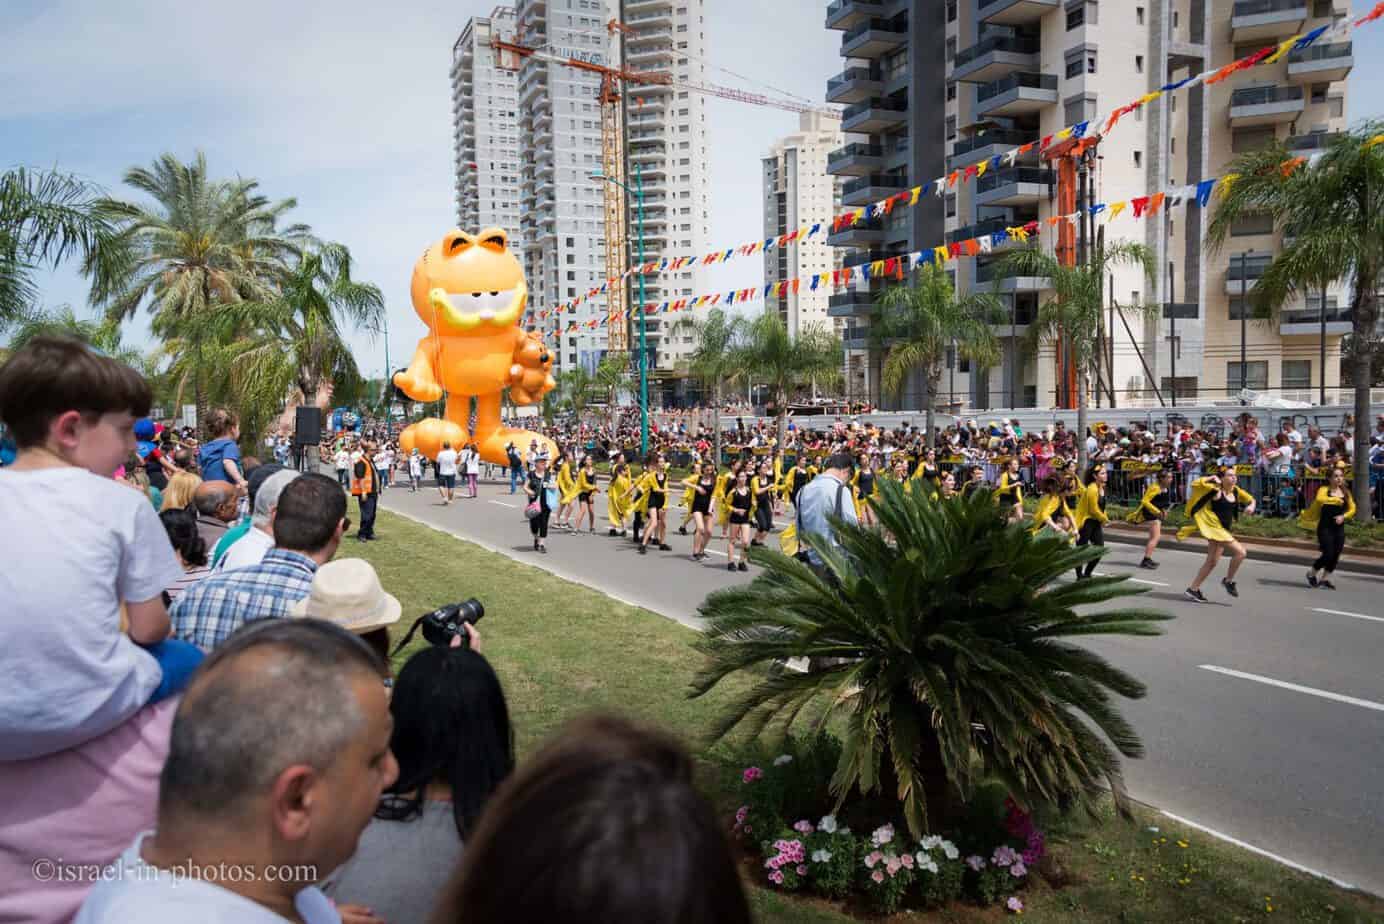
(367, 485)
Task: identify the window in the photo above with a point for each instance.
(1080, 13)
(1243, 140)
(951, 10)
(1235, 308)
(951, 127)
(951, 90)
(1139, 15)
(1319, 92)
(1297, 373)
(1078, 108)
(951, 205)
(1079, 60)
(1172, 145)
(951, 48)
(1184, 385)
(571, 258)
(1322, 9)
(1336, 106)
(1138, 64)
(1255, 376)
(1261, 223)
(1138, 158)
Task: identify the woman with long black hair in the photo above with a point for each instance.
(1091, 516)
(1327, 517)
(454, 743)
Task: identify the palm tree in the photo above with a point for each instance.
(201, 243)
(610, 377)
(919, 323)
(102, 334)
(948, 657)
(769, 356)
(46, 216)
(714, 361)
(1071, 316)
(575, 386)
(1332, 216)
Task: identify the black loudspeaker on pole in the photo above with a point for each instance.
(307, 429)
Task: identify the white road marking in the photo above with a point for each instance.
(1259, 850)
(1296, 688)
(1135, 580)
(714, 552)
(503, 504)
(1318, 609)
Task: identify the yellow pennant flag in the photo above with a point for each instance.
(913, 196)
(939, 254)
(1227, 181)
(1283, 49)
(1116, 208)
(981, 168)
(1150, 97)
(1064, 134)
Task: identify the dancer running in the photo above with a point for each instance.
(1215, 503)
(1327, 516)
(1009, 493)
(1091, 516)
(764, 489)
(1051, 510)
(566, 490)
(586, 490)
(739, 500)
(654, 484)
(704, 491)
(618, 498)
(1153, 510)
(688, 495)
(724, 484)
(864, 485)
(797, 479)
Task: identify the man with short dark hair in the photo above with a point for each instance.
(307, 525)
(365, 488)
(829, 494)
(279, 754)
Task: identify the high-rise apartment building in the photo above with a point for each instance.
(485, 116)
(1017, 70)
(798, 191)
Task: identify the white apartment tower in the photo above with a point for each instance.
(798, 191)
(485, 115)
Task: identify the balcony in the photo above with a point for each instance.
(648, 58)
(1018, 94)
(1245, 273)
(1321, 63)
(873, 37)
(855, 160)
(994, 57)
(1306, 145)
(632, 7)
(853, 303)
(1015, 186)
(855, 337)
(854, 85)
(1264, 20)
(1015, 12)
(863, 234)
(847, 14)
(1307, 322)
(873, 115)
(981, 228)
(866, 189)
(1265, 106)
(985, 145)
(989, 276)
(662, 18)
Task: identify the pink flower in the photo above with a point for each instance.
(748, 829)
(742, 813)
(776, 877)
(872, 858)
(1014, 904)
(803, 827)
(907, 860)
(751, 774)
(976, 863)
(892, 866)
(1003, 856)
(877, 876)
(1018, 870)
(802, 870)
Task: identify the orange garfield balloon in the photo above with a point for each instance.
(469, 290)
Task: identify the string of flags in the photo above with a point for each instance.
(1089, 129)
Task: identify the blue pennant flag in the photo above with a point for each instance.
(1204, 189)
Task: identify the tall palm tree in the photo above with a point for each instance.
(102, 334)
(919, 322)
(611, 375)
(949, 652)
(201, 242)
(1332, 215)
(45, 217)
(1072, 314)
(575, 386)
(714, 360)
(768, 355)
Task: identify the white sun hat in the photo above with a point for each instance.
(348, 592)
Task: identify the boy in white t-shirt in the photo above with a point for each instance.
(84, 620)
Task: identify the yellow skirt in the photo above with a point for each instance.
(1208, 525)
(615, 511)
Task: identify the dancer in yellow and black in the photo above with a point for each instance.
(654, 485)
(739, 501)
(946, 487)
(703, 495)
(864, 485)
(797, 479)
(975, 480)
(1071, 493)
(618, 498)
(1215, 504)
(764, 488)
(1152, 511)
(566, 491)
(1327, 516)
(724, 483)
(928, 473)
(1051, 512)
(1091, 516)
(586, 492)
(1009, 492)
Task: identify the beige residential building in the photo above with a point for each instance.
(798, 192)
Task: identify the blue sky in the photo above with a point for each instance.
(346, 107)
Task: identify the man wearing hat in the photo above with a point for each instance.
(348, 592)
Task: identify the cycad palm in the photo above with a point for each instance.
(771, 356)
(1071, 315)
(919, 322)
(950, 653)
(1332, 214)
(714, 359)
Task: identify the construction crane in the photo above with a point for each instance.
(509, 54)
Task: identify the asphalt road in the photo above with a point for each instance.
(1264, 720)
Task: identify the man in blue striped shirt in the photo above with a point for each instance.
(307, 525)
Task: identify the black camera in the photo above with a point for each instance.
(445, 623)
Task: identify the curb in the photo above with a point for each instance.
(1282, 551)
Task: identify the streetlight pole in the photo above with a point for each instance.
(638, 193)
(1322, 362)
(1244, 320)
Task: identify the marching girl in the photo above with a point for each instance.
(618, 498)
(864, 484)
(798, 477)
(764, 488)
(654, 486)
(900, 474)
(739, 501)
(1215, 503)
(1051, 510)
(779, 492)
(1009, 493)
(723, 486)
(927, 470)
(566, 491)
(1327, 516)
(586, 490)
(975, 480)
(688, 494)
(1090, 516)
(703, 495)
(1071, 492)
(946, 487)
(1153, 510)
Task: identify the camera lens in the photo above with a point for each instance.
(470, 610)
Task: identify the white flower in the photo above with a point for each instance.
(821, 856)
(931, 841)
(783, 759)
(882, 835)
(827, 825)
(949, 849)
(926, 862)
